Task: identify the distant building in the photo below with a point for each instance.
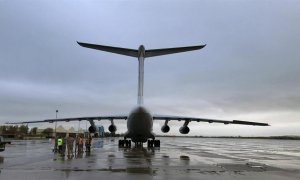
(100, 131)
(61, 131)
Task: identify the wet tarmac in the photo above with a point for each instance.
(177, 158)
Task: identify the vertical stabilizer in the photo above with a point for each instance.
(141, 54)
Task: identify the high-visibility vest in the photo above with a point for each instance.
(59, 142)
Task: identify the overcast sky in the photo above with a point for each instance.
(249, 70)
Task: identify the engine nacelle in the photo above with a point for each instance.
(112, 128)
(92, 129)
(184, 130)
(165, 128)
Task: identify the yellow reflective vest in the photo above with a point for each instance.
(59, 142)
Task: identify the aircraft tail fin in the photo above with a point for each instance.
(116, 50)
(141, 54)
(160, 52)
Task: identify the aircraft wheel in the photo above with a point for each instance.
(121, 143)
(158, 143)
(150, 143)
(127, 143)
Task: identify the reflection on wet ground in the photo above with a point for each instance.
(177, 158)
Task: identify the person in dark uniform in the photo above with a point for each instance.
(88, 143)
(70, 145)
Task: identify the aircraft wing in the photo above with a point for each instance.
(73, 119)
(190, 119)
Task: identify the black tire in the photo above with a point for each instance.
(150, 143)
(158, 143)
(121, 143)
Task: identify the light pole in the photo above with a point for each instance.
(55, 137)
(55, 122)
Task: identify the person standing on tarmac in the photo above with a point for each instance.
(70, 145)
(59, 144)
(88, 143)
(80, 144)
(64, 145)
(76, 144)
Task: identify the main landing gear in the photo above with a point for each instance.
(127, 143)
(153, 143)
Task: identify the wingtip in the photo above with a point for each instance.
(250, 123)
(202, 46)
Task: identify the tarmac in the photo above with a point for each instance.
(177, 158)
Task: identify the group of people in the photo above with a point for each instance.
(61, 144)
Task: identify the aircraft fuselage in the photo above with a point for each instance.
(139, 125)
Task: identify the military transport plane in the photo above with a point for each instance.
(140, 120)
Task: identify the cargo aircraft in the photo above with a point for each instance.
(140, 120)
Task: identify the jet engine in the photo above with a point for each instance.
(184, 130)
(92, 129)
(112, 128)
(165, 128)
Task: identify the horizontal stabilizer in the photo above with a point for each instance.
(135, 53)
(116, 50)
(160, 52)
